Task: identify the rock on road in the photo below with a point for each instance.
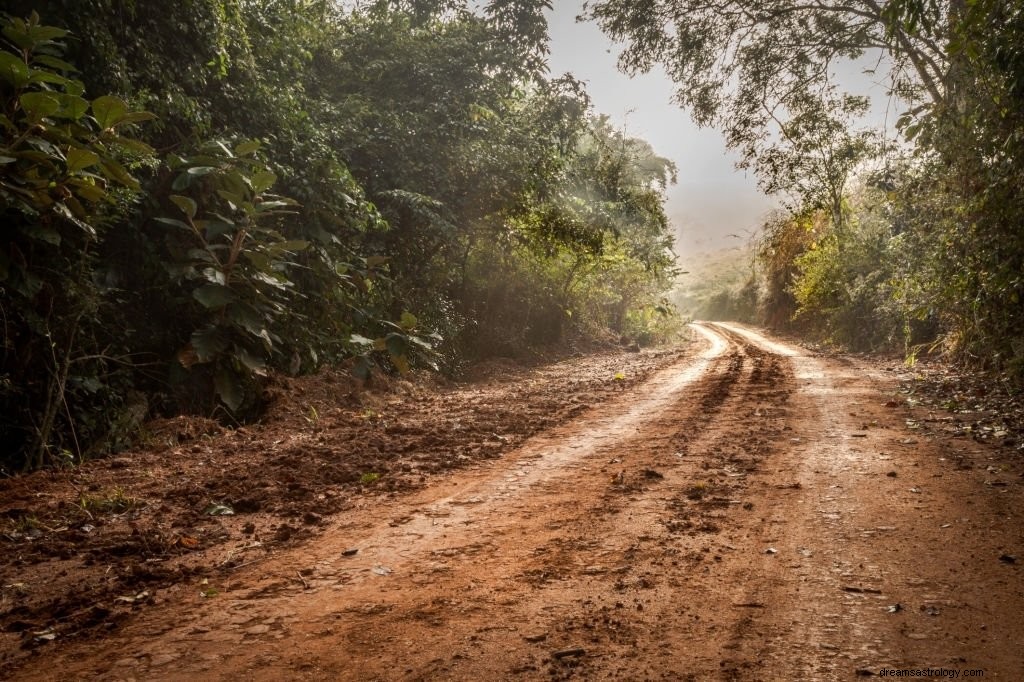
(751, 513)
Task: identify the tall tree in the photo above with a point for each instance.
(738, 64)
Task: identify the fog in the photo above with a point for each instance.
(712, 199)
(714, 205)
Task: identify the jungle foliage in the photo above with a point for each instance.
(198, 194)
(913, 241)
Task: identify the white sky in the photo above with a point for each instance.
(712, 198)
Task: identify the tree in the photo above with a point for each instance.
(816, 152)
(739, 64)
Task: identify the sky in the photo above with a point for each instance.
(712, 199)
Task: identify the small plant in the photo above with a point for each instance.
(697, 491)
(369, 478)
(114, 501)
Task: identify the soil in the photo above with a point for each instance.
(736, 509)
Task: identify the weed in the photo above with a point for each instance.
(113, 501)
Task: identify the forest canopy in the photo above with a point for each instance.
(198, 194)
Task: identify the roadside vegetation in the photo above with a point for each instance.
(197, 195)
(908, 241)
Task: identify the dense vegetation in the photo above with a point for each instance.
(915, 242)
(199, 193)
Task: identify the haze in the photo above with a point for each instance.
(712, 199)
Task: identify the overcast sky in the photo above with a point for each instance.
(712, 198)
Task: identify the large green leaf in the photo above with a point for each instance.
(262, 181)
(112, 170)
(53, 62)
(208, 343)
(229, 387)
(79, 159)
(13, 69)
(39, 105)
(175, 223)
(136, 117)
(214, 296)
(72, 107)
(253, 362)
(108, 110)
(247, 148)
(247, 317)
(42, 34)
(408, 321)
(186, 204)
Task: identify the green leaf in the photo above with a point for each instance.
(42, 34)
(65, 212)
(136, 117)
(86, 188)
(246, 317)
(262, 181)
(108, 110)
(175, 223)
(53, 62)
(186, 204)
(275, 280)
(39, 105)
(408, 321)
(247, 148)
(112, 170)
(214, 228)
(233, 199)
(214, 296)
(396, 345)
(199, 171)
(39, 76)
(251, 361)
(137, 146)
(228, 387)
(72, 107)
(79, 159)
(181, 182)
(215, 275)
(208, 342)
(202, 256)
(13, 70)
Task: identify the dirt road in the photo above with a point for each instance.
(752, 512)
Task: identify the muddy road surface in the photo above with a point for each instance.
(751, 512)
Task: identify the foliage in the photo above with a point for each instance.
(62, 182)
(740, 64)
(397, 184)
(938, 252)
